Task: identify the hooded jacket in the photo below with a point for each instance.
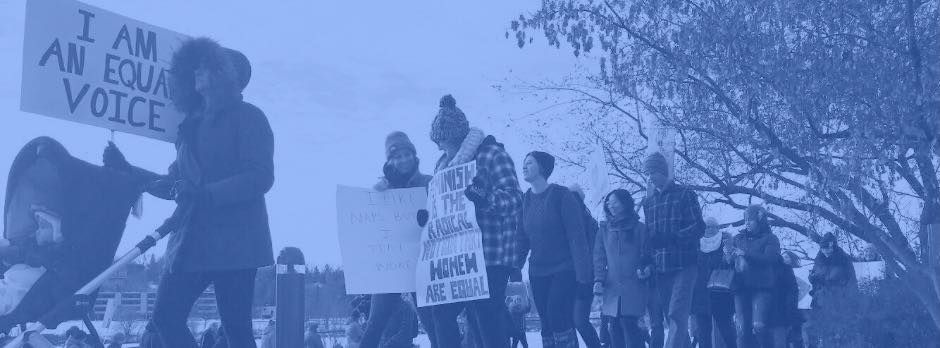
(229, 156)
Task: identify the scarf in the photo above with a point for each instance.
(709, 244)
(468, 149)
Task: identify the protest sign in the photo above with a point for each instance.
(662, 139)
(378, 236)
(451, 267)
(88, 65)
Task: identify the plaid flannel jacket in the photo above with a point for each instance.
(675, 225)
(501, 219)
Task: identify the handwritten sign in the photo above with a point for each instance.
(451, 267)
(379, 236)
(88, 65)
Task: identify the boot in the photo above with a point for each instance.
(566, 339)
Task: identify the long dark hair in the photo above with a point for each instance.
(628, 206)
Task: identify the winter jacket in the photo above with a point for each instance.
(785, 311)
(501, 218)
(553, 230)
(708, 262)
(229, 156)
(674, 219)
(761, 253)
(617, 257)
(832, 276)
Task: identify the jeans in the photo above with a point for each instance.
(582, 316)
(751, 310)
(624, 332)
(178, 291)
(484, 317)
(554, 297)
(655, 311)
(722, 315)
(674, 293)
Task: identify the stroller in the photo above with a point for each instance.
(63, 221)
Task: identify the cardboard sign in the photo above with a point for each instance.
(451, 267)
(379, 236)
(88, 65)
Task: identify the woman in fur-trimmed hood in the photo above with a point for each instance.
(223, 169)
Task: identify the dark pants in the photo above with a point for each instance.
(582, 316)
(178, 291)
(604, 332)
(484, 317)
(554, 297)
(751, 310)
(518, 328)
(381, 309)
(657, 318)
(721, 313)
(625, 332)
(674, 294)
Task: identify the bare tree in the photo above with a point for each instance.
(825, 110)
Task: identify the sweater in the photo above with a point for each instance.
(553, 234)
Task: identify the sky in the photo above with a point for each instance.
(334, 78)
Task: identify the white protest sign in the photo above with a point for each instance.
(662, 139)
(600, 183)
(88, 65)
(378, 237)
(451, 267)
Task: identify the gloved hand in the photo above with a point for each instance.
(423, 217)
(476, 193)
(113, 158)
(184, 191)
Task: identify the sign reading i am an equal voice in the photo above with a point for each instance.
(88, 65)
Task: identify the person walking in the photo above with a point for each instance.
(400, 171)
(756, 252)
(621, 267)
(786, 320)
(713, 306)
(497, 198)
(553, 237)
(224, 166)
(585, 293)
(674, 221)
(312, 337)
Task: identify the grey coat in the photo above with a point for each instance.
(616, 261)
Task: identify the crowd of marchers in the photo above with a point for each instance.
(655, 265)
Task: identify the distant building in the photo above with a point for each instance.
(140, 304)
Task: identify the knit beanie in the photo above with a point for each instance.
(546, 162)
(396, 141)
(755, 212)
(656, 163)
(450, 125)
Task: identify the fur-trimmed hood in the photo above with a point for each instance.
(234, 71)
